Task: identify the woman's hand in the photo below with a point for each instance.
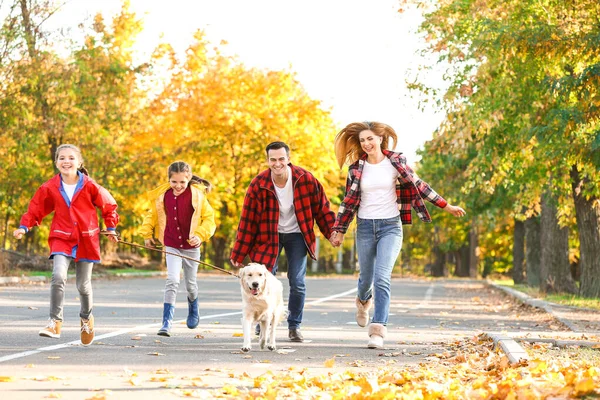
(149, 242)
(336, 239)
(18, 233)
(455, 210)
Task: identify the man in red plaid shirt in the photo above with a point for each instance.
(281, 206)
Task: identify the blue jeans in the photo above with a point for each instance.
(378, 244)
(296, 253)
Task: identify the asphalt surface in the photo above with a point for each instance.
(425, 317)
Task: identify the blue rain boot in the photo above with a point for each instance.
(168, 312)
(193, 318)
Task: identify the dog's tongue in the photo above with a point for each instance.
(254, 291)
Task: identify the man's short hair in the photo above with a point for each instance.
(277, 146)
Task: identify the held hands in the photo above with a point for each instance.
(18, 233)
(336, 239)
(455, 210)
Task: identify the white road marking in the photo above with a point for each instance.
(428, 294)
(142, 327)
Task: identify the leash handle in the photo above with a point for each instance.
(110, 233)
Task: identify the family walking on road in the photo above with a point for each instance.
(280, 209)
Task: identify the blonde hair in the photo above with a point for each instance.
(347, 141)
(77, 151)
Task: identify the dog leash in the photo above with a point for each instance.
(110, 233)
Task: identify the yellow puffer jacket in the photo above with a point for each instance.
(155, 221)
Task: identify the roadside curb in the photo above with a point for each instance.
(6, 280)
(541, 304)
(13, 280)
(511, 348)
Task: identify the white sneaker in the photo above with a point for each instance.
(375, 342)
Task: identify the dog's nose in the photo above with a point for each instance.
(255, 284)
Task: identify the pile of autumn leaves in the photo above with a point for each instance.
(471, 369)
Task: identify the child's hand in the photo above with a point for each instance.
(18, 233)
(113, 237)
(194, 241)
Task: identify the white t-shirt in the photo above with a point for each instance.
(378, 191)
(69, 190)
(287, 214)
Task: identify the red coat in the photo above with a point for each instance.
(74, 231)
(257, 234)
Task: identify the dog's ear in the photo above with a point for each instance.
(241, 272)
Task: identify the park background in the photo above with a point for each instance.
(509, 130)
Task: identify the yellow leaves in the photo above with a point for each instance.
(6, 379)
(329, 363)
(584, 387)
(237, 334)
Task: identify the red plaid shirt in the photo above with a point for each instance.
(257, 234)
(410, 192)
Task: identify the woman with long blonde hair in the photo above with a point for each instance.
(382, 190)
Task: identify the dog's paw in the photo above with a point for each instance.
(272, 347)
(246, 349)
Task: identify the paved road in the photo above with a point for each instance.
(425, 317)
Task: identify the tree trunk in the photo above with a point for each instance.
(473, 250)
(555, 273)
(518, 273)
(218, 245)
(462, 262)
(439, 264)
(588, 224)
(533, 251)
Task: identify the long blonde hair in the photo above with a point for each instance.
(347, 141)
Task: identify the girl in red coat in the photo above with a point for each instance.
(74, 233)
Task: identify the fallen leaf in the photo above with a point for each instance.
(237, 334)
(329, 363)
(155, 353)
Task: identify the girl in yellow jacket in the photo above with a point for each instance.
(181, 218)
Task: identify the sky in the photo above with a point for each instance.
(353, 55)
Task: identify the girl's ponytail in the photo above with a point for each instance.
(182, 166)
(201, 181)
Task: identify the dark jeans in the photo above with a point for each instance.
(296, 253)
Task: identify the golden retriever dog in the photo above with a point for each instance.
(262, 302)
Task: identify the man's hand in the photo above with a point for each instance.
(236, 264)
(336, 239)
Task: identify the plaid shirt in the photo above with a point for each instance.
(257, 234)
(410, 192)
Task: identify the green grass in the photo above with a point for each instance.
(47, 274)
(562, 298)
(583, 354)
